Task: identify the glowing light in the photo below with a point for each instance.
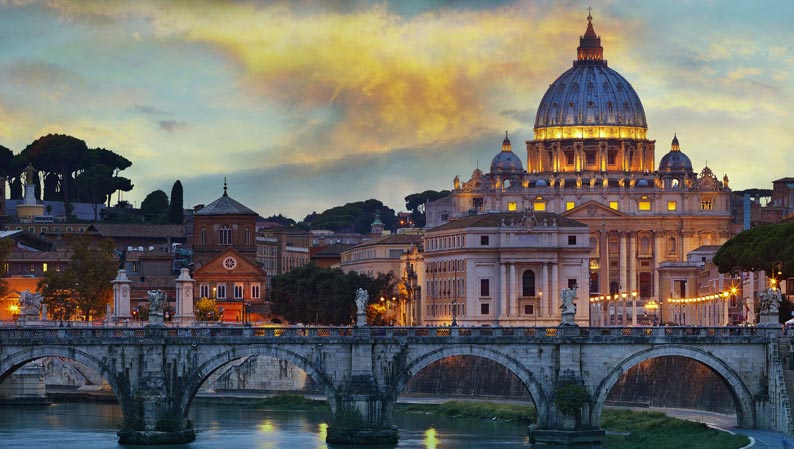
(430, 438)
(267, 427)
(323, 434)
(14, 308)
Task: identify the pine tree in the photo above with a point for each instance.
(175, 211)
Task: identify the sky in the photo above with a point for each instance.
(305, 105)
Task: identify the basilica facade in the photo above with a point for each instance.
(590, 161)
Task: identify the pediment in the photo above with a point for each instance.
(219, 265)
(593, 209)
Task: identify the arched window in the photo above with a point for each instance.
(528, 283)
(224, 235)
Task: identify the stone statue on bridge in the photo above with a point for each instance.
(567, 307)
(770, 307)
(30, 304)
(156, 300)
(362, 298)
(770, 300)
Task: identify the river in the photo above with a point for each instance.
(89, 425)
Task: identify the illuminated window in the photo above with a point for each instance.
(644, 203)
(540, 204)
(705, 203)
(672, 205)
(614, 205)
(569, 205)
(511, 206)
(44, 267)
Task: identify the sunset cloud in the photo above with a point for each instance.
(333, 93)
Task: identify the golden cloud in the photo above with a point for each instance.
(370, 80)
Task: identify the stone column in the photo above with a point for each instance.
(184, 298)
(544, 310)
(554, 300)
(513, 294)
(121, 297)
(622, 262)
(656, 238)
(502, 291)
(603, 274)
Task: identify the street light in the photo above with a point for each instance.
(652, 305)
(736, 273)
(777, 270)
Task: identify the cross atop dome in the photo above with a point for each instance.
(506, 146)
(590, 50)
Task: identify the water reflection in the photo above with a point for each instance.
(94, 426)
(430, 438)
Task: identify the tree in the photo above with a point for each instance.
(155, 207)
(758, 248)
(176, 213)
(5, 250)
(6, 159)
(310, 294)
(95, 185)
(355, 217)
(415, 203)
(205, 310)
(57, 153)
(85, 284)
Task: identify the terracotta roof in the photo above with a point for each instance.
(510, 219)
(333, 250)
(225, 205)
(394, 239)
(139, 230)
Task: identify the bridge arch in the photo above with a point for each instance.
(119, 386)
(197, 377)
(742, 398)
(415, 365)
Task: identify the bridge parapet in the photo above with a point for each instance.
(543, 335)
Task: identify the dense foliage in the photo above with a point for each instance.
(326, 296)
(656, 430)
(758, 248)
(416, 204)
(155, 207)
(64, 160)
(569, 398)
(478, 410)
(353, 217)
(176, 213)
(85, 284)
(204, 310)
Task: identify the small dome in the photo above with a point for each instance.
(506, 161)
(540, 183)
(642, 183)
(675, 160)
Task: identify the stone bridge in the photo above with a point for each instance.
(155, 372)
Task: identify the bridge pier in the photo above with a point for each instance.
(155, 417)
(362, 413)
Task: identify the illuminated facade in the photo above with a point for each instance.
(590, 160)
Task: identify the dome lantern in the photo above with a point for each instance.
(590, 49)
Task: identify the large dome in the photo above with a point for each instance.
(590, 99)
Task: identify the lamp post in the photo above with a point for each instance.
(654, 306)
(736, 273)
(777, 271)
